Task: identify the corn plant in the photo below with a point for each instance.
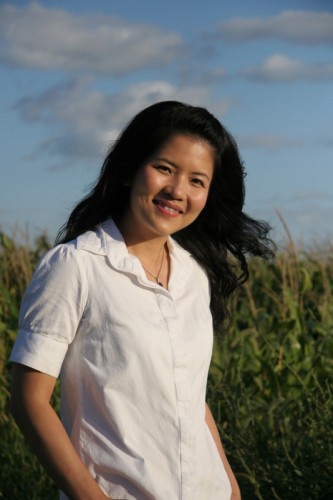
(270, 383)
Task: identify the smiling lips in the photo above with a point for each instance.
(167, 208)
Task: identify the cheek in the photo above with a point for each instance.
(199, 201)
(148, 182)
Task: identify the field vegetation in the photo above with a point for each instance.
(270, 386)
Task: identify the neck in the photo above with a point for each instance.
(149, 252)
(138, 243)
(155, 260)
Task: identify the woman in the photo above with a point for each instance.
(126, 314)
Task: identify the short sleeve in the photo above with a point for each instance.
(51, 310)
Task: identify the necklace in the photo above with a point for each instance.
(157, 277)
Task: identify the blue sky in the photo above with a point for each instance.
(73, 72)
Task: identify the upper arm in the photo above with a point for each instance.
(50, 312)
(54, 301)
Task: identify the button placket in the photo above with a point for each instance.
(180, 358)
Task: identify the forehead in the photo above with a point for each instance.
(185, 144)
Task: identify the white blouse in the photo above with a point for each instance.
(133, 359)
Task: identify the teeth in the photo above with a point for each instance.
(171, 210)
(167, 208)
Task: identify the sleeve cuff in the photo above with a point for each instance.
(39, 352)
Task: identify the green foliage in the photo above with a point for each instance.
(21, 476)
(271, 379)
(270, 385)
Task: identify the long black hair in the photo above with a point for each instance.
(222, 235)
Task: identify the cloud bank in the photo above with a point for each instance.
(280, 68)
(302, 27)
(84, 121)
(269, 142)
(81, 121)
(54, 39)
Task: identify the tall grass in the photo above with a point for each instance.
(271, 378)
(270, 385)
(21, 476)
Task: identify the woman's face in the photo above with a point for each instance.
(170, 190)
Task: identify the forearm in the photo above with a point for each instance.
(46, 435)
(216, 436)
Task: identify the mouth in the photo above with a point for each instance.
(167, 207)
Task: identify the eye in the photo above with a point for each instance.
(163, 168)
(198, 182)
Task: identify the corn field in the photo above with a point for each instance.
(270, 385)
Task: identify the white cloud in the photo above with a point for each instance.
(307, 221)
(50, 38)
(214, 75)
(304, 27)
(310, 196)
(280, 68)
(327, 140)
(84, 121)
(307, 214)
(271, 142)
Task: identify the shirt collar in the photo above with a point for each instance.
(107, 240)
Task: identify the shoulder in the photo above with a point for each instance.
(61, 266)
(68, 259)
(57, 256)
(90, 242)
(63, 253)
(86, 251)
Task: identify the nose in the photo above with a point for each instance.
(176, 188)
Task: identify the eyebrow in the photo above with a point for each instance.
(202, 174)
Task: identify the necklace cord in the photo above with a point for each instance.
(157, 277)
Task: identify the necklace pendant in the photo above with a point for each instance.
(157, 277)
